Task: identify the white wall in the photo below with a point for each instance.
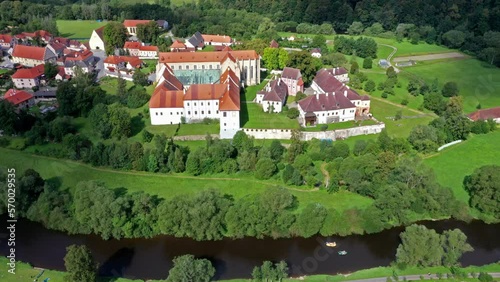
(160, 116)
(229, 124)
(28, 62)
(200, 109)
(95, 42)
(277, 106)
(25, 82)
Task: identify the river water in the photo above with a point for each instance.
(152, 258)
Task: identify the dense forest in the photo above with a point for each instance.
(471, 26)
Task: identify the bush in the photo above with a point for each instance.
(485, 277)
(147, 136)
(293, 113)
(324, 127)
(265, 169)
(399, 115)
(384, 95)
(367, 63)
(404, 102)
(299, 96)
(369, 86)
(137, 97)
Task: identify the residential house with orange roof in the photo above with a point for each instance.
(84, 60)
(131, 25)
(140, 50)
(31, 56)
(6, 41)
(485, 114)
(96, 41)
(123, 66)
(217, 40)
(20, 98)
(178, 46)
(43, 35)
(28, 78)
(293, 80)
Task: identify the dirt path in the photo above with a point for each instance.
(325, 174)
(450, 55)
(394, 50)
(401, 106)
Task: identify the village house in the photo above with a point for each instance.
(6, 42)
(96, 41)
(274, 44)
(85, 60)
(19, 98)
(71, 44)
(123, 66)
(485, 114)
(333, 100)
(273, 96)
(56, 48)
(217, 40)
(195, 42)
(293, 80)
(138, 49)
(131, 25)
(316, 53)
(31, 56)
(178, 46)
(43, 35)
(205, 67)
(61, 74)
(28, 78)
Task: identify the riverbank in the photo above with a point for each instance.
(25, 272)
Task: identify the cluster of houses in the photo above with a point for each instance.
(198, 41)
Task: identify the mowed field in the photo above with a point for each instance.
(454, 163)
(78, 29)
(478, 82)
(69, 173)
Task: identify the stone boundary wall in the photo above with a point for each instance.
(332, 134)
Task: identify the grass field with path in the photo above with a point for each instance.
(170, 185)
(252, 116)
(78, 29)
(478, 82)
(452, 164)
(24, 272)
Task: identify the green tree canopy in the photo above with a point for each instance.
(189, 269)
(484, 189)
(80, 265)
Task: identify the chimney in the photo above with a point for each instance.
(345, 93)
(317, 96)
(279, 82)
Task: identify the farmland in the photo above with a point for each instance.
(81, 30)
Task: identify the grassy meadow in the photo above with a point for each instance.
(452, 164)
(478, 82)
(78, 29)
(24, 272)
(69, 173)
(252, 116)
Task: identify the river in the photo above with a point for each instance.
(152, 258)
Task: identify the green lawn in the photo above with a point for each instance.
(340, 125)
(453, 163)
(252, 116)
(251, 91)
(78, 29)
(385, 112)
(24, 272)
(478, 82)
(170, 185)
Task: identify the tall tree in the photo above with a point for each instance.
(189, 269)
(307, 64)
(80, 264)
(115, 35)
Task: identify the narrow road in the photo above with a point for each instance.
(415, 277)
(394, 50)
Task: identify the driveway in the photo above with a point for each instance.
(100, 56)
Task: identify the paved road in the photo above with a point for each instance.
(100, 55)
(414, 277)
(449, 55)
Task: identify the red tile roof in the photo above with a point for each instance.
(17, 97)
(171, 82)
(177, 44)
(29, 52)
(149, 48)
(5, 38)
(113, 60)
(216, 38)
(291, 73)
(164, 98)
(274, 44)
(205, 91)
(277, 91)
(134, 23)
(325, 102)
(132, 45)
(99, 32)
(485, 114)
(231, 99)
(132, 60)
(79, 55)
(326, 81)
(31, 73)
(175, 57)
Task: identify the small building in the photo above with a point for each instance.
(44, 95)
(274, 44)
(293, 80)
(28, 78)
(273, 96)
(217, 40)
(178, 46)
(96, 41)
(83, 59)
(195, 42)
(6, 41)
(131, 25)
(132, 47)
(316, 53)
(61, 75)
(42, 35)
(31, 56)
(19, 98)
(485, 114)
(57, 48)
(326, 108)
(140, 50)
(384, 63)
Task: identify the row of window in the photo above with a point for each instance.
(201, 103)
(195, 67)
(336, 113)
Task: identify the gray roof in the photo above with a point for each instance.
(291, 73)
(196, 40)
